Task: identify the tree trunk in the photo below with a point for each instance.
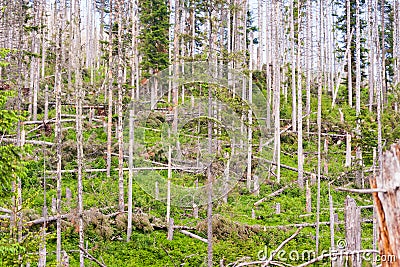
(79, 127)
(319, 111)
(293, 66)
(58, 89)
(353, 230)
(130, 178)
(110, 91)
(276, 87)
(300, 160)
(349, 66)
(121, 203)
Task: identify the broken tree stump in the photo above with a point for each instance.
(170, 235)
(308, 198)
(387, 205)
(278, 208)
(353, 230)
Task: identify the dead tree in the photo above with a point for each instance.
(387, 204)
(353, 230)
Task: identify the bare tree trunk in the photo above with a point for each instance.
(349, 68)
(309, 49)
(371, 57)
(209, 185)
(134, 56)
(300, 159)
(130, 179)
(110, 91)
(353, 230)
(348, 150)
(293, 66)
(79, 127)
(396, 41)
(58, 89)
(121, 203)
(276, 86)
(321, 71)
(260, 55)
(387, 206)
(35, 60)
(250, 122)
(383, 51)
(358, 59)
(358, 88)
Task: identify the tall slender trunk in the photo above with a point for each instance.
(134, 50)
(58, 89)
(130, 178)
(293, 67)
(79, 127)
(358, 59)
(396, 42)
(371, 57)
(383, 51)
(260, 35)
(300, 178)
(250, 121)
(110, 90)
(322, 49)
(309, 61)
(121, 205)
(349, 66)
(276, 87)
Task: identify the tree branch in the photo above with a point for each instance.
(361, 191)
(92, 258)
(194, 236)
(276, 193)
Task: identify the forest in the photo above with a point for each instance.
(199, 133)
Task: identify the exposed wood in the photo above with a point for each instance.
(130, 175)
(194, 236)
(278, 208)
(170, 234)
(273, 194)
(127, 169)
(291, 168)
(5, 210)
(353, 230)
(308, 198)
(33, 142)
(361, 191)
(90, 257)
(387, 204)
(273, 253)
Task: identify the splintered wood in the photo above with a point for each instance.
(387, 205)
(353, 230)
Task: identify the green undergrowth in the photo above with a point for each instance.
(237, 236)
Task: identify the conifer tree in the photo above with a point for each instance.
(153, 45)
(346, 8)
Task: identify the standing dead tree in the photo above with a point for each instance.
(353, 229)
(387, 204)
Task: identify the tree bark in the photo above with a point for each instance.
(79, 127)
(110, 90)
(58, 89)
(387, 205)
(349, 66)
(300, 160)
(130, 178)
(121, 203)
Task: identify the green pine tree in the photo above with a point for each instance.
(153, 45)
